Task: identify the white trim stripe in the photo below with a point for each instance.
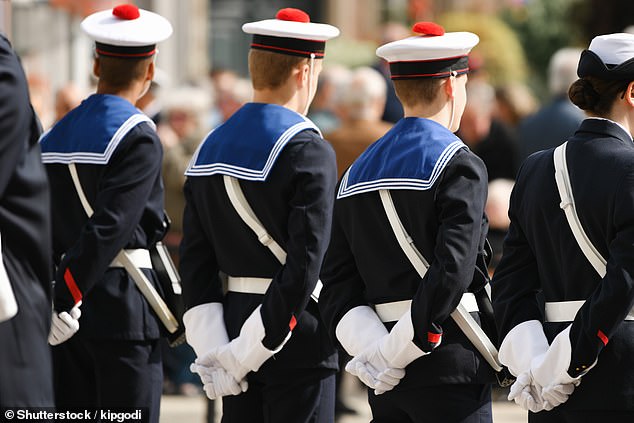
(246, 173)
(401, 183)
(99, 158)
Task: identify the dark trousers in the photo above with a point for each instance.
(109, 375)
(304, 399)
(558, 415)
(26, 377)
(443, 403)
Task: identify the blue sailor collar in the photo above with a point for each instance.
(247, 145)
(91, 132)
(411, 155)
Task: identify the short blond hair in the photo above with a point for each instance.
(413, 92)
(271, 70)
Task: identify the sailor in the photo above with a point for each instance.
(103, 161)
(267, 170)
(571, 244)
(390, 317)
(26, 378)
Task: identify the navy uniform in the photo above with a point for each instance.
(114, 360)
(25, 362)
(586, 318)
(439, 190)
(287, 174)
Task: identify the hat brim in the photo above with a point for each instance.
(590, 64)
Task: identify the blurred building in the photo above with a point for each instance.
(47, 36)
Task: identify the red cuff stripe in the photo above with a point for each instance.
(602, 337)
(434, 338)
(72, 286)
(292, 323)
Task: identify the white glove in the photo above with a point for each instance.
(205, 327)
(217, 382)
(550, 370)
(528, 395)
(64, 325)
(245, 353)
(521, 345)
(373, 370)
(397, 347)
(359, 328)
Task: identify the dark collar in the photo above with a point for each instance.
(604, 127)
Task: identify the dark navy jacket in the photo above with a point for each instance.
(542, 260)
(120, 174)
(439, 189)
(289, 182)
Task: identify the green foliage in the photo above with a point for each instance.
(351, 53)
(543, 27)
(499, 47)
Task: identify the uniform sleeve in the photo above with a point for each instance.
(15, 114)
(309, 223)
(612, 300)
(460, 198)
(343, 287)
(123, 194)
(198, 263)
(516, 282)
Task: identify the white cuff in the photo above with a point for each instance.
(248, 348)
(359, 328)
(205, 327)
(551, 368)
(521, 345)
(398, 348)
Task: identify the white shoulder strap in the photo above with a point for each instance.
(80, 192)
(242, 206)
(562, 177)
(460, 315)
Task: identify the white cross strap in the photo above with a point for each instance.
(562, 177)
(460, 315)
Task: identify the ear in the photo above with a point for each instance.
(450, 86)
(150, 72)
(95, 67)
(301, 75)
(629, 94)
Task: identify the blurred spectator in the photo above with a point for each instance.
(222, 81)
(332, 81)
(486, 136)
(558, 120)
(40, 94)
(66, 99)
(514, 102)
(149, 103)
(180, 131)
(496, 209)
(391, 31)
(361, 106)
(230, 99)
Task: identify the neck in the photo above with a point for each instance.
(437, 113)
(130, 93)
(281, 97)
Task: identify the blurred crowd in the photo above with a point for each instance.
(353, 107)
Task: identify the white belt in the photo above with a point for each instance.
(391, 312)
(565, 311)
(248, 285)
(140, 257)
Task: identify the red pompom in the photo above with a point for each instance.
(428, 28)
(126, 11)
(295, 15)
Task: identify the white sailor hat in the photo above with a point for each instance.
(291, 33)
(609, 57)
(431, 54)
(126, 31)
